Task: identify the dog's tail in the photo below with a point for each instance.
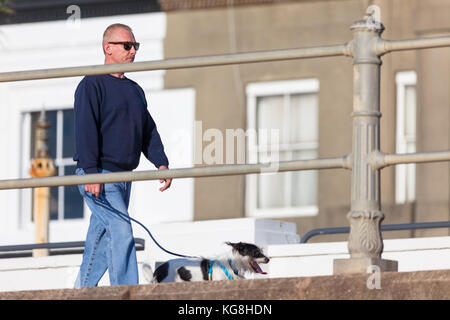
(148, 273)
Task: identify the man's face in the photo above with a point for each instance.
(116, 53)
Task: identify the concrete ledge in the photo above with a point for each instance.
(393, 285)
(358, 265)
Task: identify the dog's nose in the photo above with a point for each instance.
(267, 260)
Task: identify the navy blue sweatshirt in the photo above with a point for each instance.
(113, 126)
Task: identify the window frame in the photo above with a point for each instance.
(404, 79)
(255, 90)
(25, 198)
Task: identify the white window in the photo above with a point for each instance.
(65, 201)
(291, 109)
(405, 174)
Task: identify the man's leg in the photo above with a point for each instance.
(112, 204)
(94, 262)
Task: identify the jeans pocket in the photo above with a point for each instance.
(114, 187)
(80, 172)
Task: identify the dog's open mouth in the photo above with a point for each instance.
(256, 267)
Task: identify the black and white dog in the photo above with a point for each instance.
(244, 258)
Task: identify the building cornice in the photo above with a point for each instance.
(26, 11)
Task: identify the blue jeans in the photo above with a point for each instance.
(109, 241)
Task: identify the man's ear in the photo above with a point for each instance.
(107, 48)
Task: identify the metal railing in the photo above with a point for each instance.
(365, 161)
(198, 172)
(381, 47)
(386, 227)
(56, 248)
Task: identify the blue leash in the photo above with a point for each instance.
(145, 228)
(156, 242)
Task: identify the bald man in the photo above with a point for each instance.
(112, 128)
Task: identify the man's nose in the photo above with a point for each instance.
(133, 51)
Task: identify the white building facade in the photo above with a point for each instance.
(57, 44)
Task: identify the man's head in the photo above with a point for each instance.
(119, 45)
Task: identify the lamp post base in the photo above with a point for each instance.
(361, 265)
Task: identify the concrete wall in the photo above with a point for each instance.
(288, 258)
(316, 259)
(422, 285)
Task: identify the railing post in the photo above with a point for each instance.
(365, 242)
(42, 166)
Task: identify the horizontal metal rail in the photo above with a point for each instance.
(386, 46)
(386, 227)
(55, 248)
(197, 172)
(382, 160)
(58, 245)
(178, 63)
(383, 46)
(379, 161)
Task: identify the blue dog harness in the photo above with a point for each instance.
(223, 269)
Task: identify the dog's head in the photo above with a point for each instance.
(249, 254)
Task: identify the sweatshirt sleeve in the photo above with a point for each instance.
(87, 112)
(153, 147)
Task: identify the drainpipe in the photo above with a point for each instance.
(365, 243)
(41, 166)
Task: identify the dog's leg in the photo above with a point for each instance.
(204, 265)
(161, 273)
(184, 274)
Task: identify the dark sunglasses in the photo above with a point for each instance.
(127, 45)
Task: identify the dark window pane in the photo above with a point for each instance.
(68, 134)
(51, 133)
(73, 202)
(54, 203)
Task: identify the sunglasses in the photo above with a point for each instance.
(127, 45)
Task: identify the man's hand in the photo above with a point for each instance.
(95, 189)
(167, 181)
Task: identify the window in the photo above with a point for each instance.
(65, 201)
(291, 109)
(405, 174)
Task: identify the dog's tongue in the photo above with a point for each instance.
(257, 268)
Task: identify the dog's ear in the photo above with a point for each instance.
(233, 245)
(238, 246)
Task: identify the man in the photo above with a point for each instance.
(112, 128)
